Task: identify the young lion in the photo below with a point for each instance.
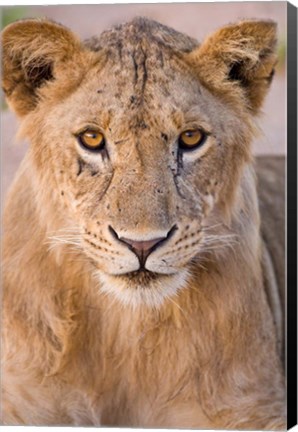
(136, 281)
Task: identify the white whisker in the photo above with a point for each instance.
(65, 237)
(176, 304)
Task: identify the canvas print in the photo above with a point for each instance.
(143, 216)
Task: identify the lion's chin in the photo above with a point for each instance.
(142, 288)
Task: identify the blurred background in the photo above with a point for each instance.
(194, 19)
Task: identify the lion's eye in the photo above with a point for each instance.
(92, 140)
(191, 139)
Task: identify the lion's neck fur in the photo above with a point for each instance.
(106, 342)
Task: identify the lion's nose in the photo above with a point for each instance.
(143, 248)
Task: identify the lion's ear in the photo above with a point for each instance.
(238, 60)
(31, 50)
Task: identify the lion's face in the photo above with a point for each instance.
(141, 159)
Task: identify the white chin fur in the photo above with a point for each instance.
(152, 295)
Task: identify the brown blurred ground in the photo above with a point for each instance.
(195, 19)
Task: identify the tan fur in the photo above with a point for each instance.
(87, 339)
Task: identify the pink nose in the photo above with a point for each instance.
(142, 245)
(142, 248)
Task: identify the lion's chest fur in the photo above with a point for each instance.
(136, 361)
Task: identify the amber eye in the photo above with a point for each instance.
(191, 139)
(92, 140)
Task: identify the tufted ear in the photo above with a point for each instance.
(238, 60)
(31, 51)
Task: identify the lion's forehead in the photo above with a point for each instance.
(138, 85)
(144, 74)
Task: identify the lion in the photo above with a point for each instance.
(139, 289)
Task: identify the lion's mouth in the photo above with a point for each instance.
(142, 287)
(142, 277)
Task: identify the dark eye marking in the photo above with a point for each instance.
(82, 165)
(164, 137)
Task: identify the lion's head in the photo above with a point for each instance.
(139, 142)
